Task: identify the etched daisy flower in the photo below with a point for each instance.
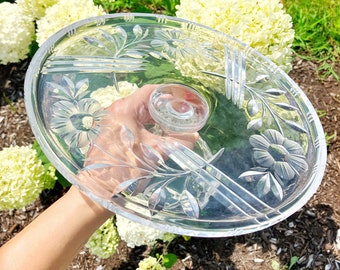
(77, 122)
(282, 156)
(173, 44)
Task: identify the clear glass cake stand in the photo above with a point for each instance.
(174, 125)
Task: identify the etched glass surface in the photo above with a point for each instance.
(233, 147)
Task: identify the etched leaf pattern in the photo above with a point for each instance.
(270, 105)
(116, 44)
(171, 188)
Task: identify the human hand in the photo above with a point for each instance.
(118, 153)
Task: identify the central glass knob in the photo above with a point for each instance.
(178, 108)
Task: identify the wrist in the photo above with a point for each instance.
(86, 205)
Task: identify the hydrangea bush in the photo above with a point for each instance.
(264, 24)
(22, 177)
(135, 234)
(35, 8)
(150, 263)
(104, 242)
(16, 33)
(63, 13)
(18, 23)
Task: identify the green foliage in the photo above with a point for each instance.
(321, 113)
(317, 32)
(33, 48)
(330, 137)
(167, 7)
(169, 237)
(186, 237)
(40, 154)
(163, 257)
(293, 261)
(9, 102)
(168, 260)
(275, 265)
(123, 6)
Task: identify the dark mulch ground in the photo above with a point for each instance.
(309, 234)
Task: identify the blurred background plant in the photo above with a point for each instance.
(316, 24)
(167, 7)
(24, 174)
(317, 32)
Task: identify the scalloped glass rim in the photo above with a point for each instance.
(185, 227)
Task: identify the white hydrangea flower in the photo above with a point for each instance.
(63, 13)
(135, 234)
(264, 25)
(150, 263)
(16, 33)
(104, 241)
(22, 177)
(35, 8)
(107, 95)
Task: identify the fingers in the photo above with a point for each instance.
(133, 107)
(142, 95)
(187, 139)
(117, 154)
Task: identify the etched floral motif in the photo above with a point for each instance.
(283, 156)
(68, 90)
(281, 160)
(75, 116)
(181, 182)
(77, 123)
(173, 44)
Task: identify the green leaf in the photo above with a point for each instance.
(186, 237)
(275, 265)
(143, 9)
(40, 153)
(169, 260)
(293, 261)
(45, 161)
(316, 24)
(62, 180)
(33, 47)
(169, 237)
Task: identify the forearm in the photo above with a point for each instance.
(53, 239)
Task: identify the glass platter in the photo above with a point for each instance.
(174, 125)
